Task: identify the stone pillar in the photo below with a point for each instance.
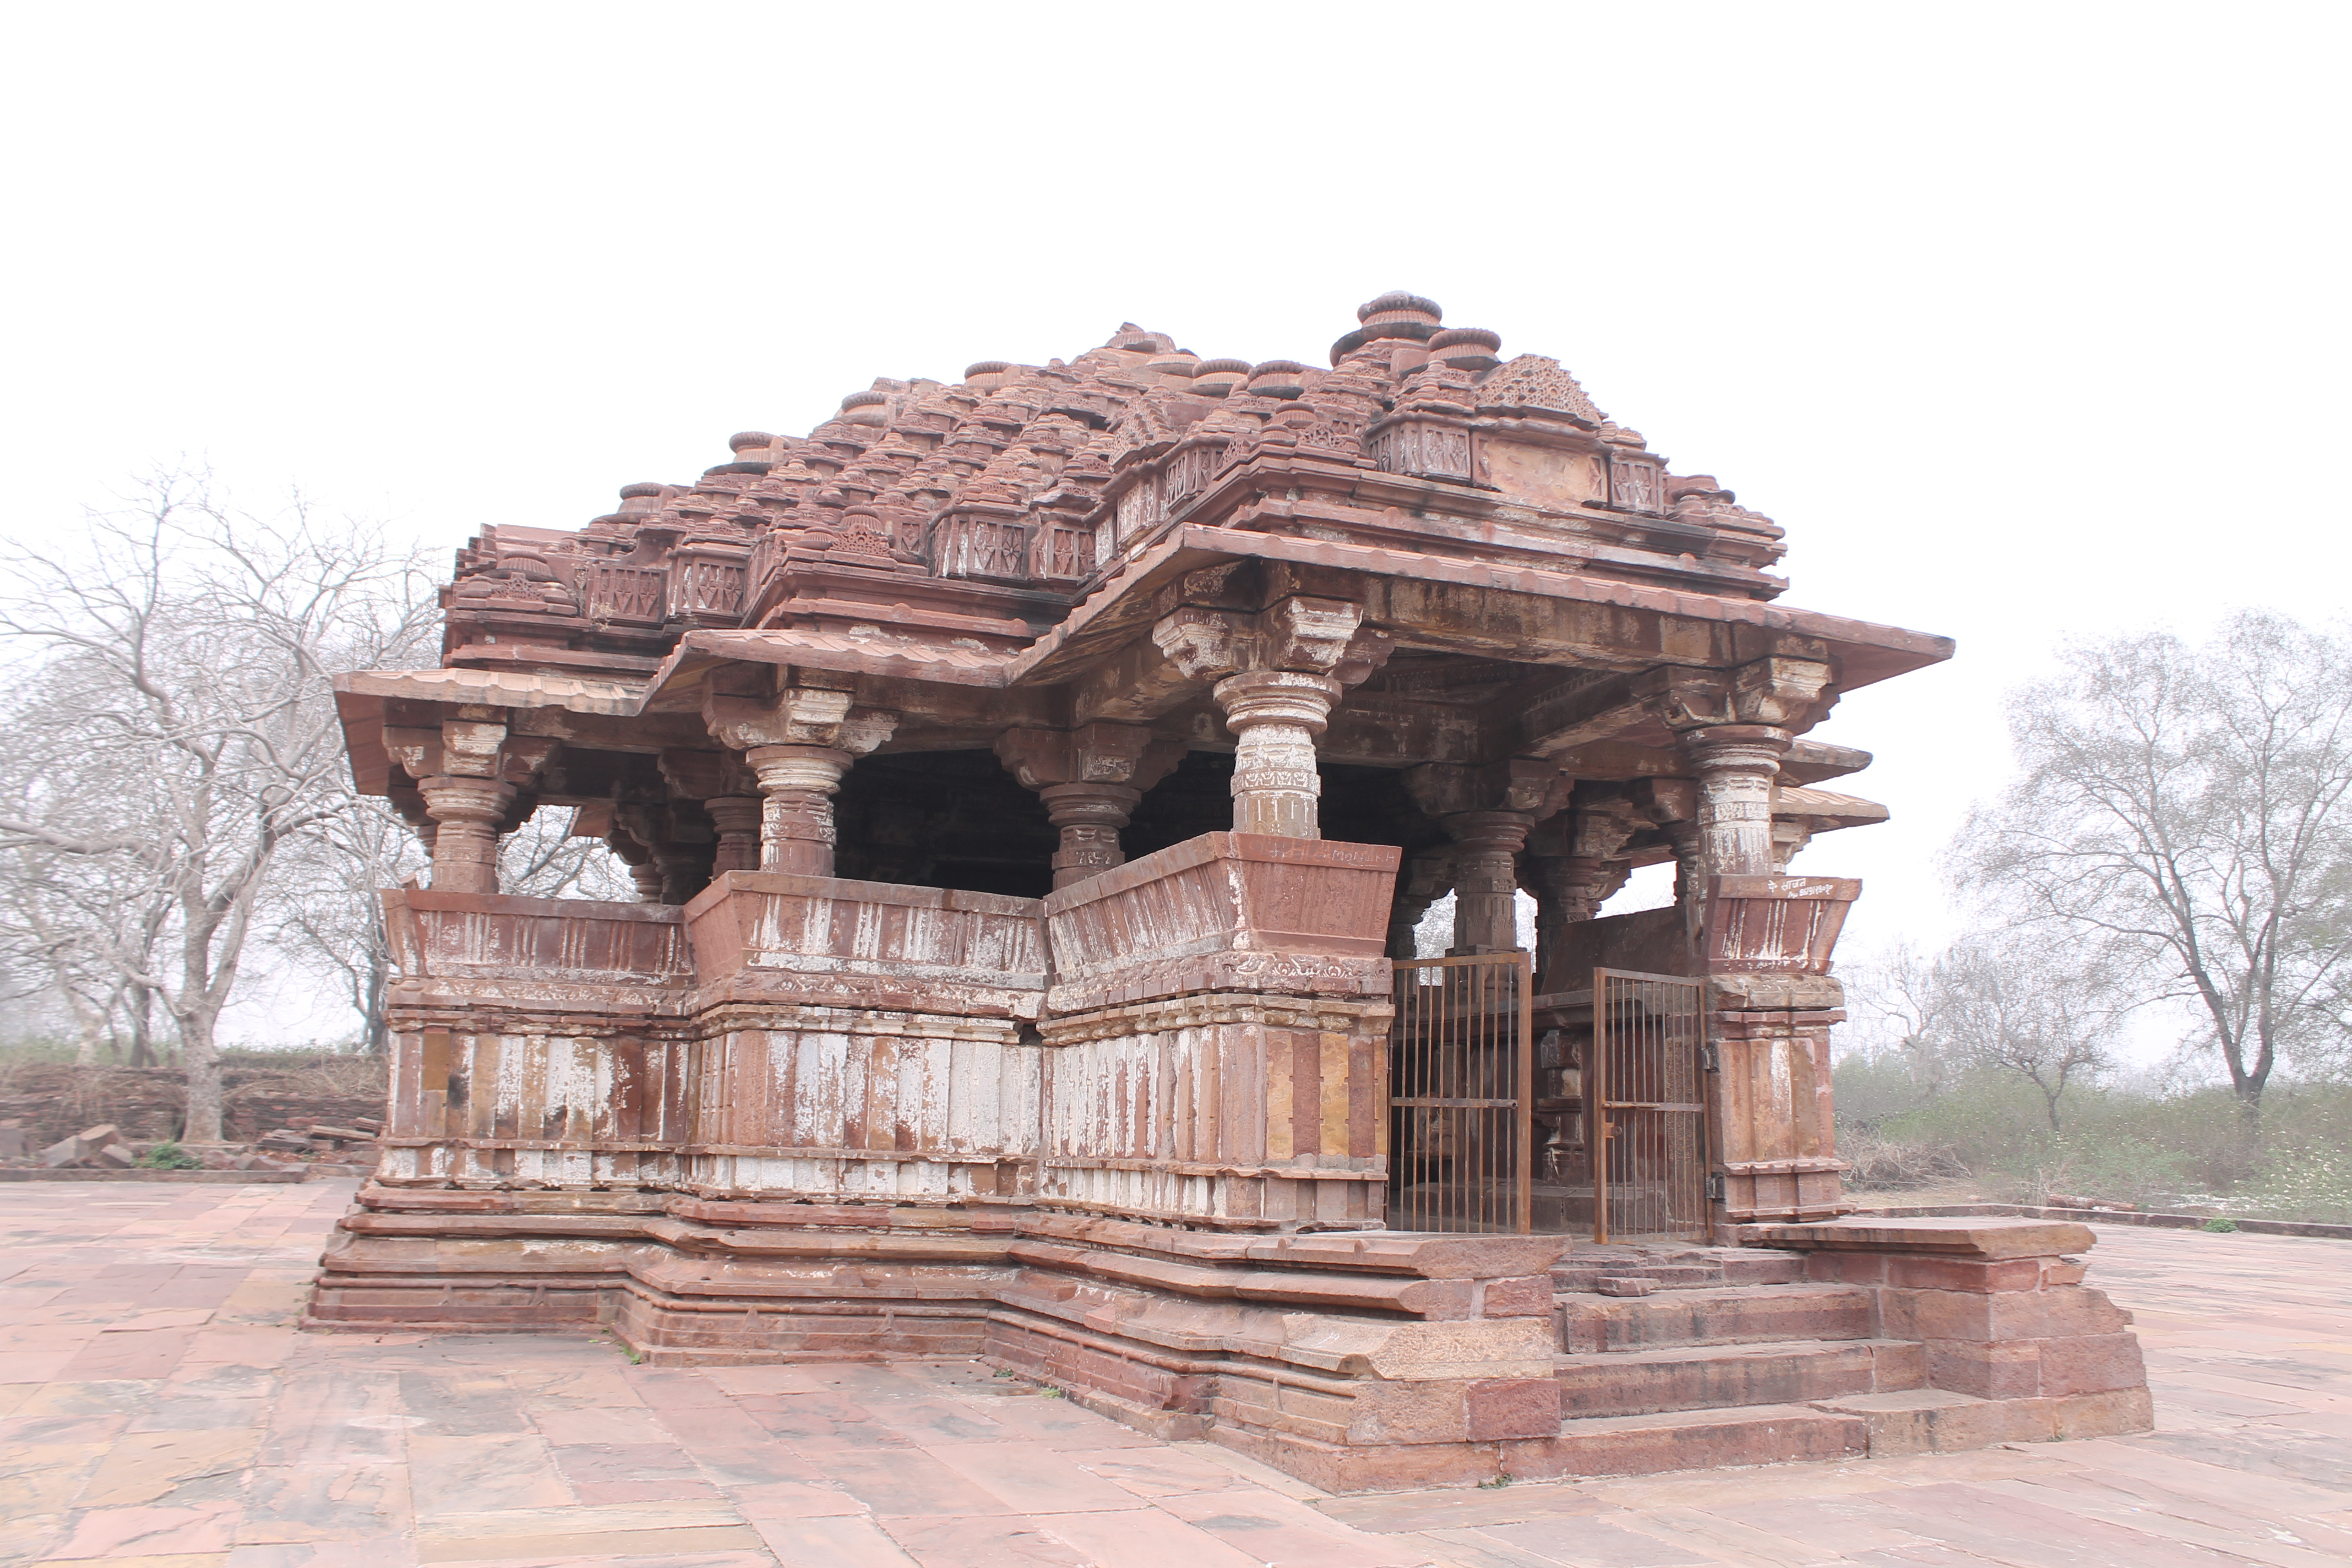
(1277, 671)
(798, 783)
(643, 870)
(724, 788)
(1091, 779)
(466, 815)
(800, 744)
(1576, 861)
(1735, 726)
(738, 818)
(469, 772)
(1487, 846)
(1089, 816)
(1737, 765)
(1275, 715)
(1487, 810)
(1768, 1094)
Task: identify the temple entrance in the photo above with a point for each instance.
(1648, 1115)
(1462, 1095)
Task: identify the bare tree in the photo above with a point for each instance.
(329, 916)
(542, 861)
(2018, 1002)
(186, 648)
(2188, 808)
(1900, 1002)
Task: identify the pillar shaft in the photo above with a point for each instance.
(1090, 817)
(738, 819)
(796, 833)
(1274, 716)
(1737, 765)
(466, 815)
(1487, 846)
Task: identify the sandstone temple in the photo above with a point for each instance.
(1033, 785)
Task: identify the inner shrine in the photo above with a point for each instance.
(1033, 785)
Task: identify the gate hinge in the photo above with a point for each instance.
(1715, 1186)
(1706, 1058)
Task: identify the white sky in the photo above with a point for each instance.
(2026, 320)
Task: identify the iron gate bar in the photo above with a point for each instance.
(1462, 1150)
(1649, 1167)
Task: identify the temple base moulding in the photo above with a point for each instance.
(1357, 1360)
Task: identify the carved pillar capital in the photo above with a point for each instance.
(1090, 779)
(469, 748)
(1785, 693)
(800, 716)
(1311, 636)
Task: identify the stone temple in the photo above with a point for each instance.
(1033, 783)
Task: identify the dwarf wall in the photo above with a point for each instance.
(1211, 1046)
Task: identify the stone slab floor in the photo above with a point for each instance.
(157, 1408)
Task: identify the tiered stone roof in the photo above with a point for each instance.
(975, 513)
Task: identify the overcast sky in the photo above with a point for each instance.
(2026, 321)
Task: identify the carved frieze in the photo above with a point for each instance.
(1422, 447)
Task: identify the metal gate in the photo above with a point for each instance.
(1649, 1039)
(1462, 1095)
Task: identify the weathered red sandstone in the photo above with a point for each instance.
(1030, 782)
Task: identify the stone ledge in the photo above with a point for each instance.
(1989, 1237)
(2122, 1216)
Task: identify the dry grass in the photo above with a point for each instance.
(1890, 1164)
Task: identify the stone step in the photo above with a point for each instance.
(1937, 1421)
(1693, 1440)
(1722, 1377)
(1697, 1270)
(1726, 1315)
(1577, 1275)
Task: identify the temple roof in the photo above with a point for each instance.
(1525, 577)
(993, 503)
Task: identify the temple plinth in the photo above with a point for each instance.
(1033, 783)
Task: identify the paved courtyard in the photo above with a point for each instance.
(157, 1408)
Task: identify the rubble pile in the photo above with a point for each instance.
(305, 1143)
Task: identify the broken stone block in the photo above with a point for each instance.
(81, 1146)
(14, 1142)
(116, 1155)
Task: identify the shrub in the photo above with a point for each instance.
(2306, 1183)
(169, 1156)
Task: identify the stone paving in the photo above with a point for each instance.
(157, 1408)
